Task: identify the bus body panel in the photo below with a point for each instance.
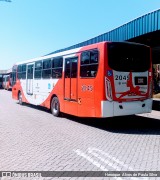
(110, 109)
(89, 94)
(122, 86)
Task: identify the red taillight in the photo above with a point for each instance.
(150, 85)
(150, 89)
(108, 89)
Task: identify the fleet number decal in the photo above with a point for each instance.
(87, 88)
(120, 77)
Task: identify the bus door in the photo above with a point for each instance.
(29, 84)
(71, 83)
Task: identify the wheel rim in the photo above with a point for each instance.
(55, 107)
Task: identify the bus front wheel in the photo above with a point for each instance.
(55, 107)
(20, 98)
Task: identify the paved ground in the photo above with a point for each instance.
(31, 139)
(154, 115)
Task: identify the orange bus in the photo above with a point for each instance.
(105, 79)
(7, 82)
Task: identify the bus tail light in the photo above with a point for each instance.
(108, 89)
(150, 89)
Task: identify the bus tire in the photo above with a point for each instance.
(20, 98)
(55, 107)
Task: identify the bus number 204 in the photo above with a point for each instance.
(120, 77)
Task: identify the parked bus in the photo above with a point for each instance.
(100, 80)
(7, 82)
(1, 80)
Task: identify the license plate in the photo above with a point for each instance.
(140, 80)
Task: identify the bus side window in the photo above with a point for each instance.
(57, 64)
(89, 64)
(19, 71)
(38, 70)
(85, 58)
(23, 73)
(47, 73)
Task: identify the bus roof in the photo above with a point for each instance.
(65, 53)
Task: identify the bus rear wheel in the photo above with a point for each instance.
(20, 98)
(55, 107)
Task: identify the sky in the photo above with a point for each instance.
(33, 28)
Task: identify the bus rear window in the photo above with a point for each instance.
(123, 56)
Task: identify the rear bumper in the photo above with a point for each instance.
(110, 109)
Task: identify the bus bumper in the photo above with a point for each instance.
(110, 109)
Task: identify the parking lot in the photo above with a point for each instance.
(33, 140)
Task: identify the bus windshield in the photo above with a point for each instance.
(123, 56)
